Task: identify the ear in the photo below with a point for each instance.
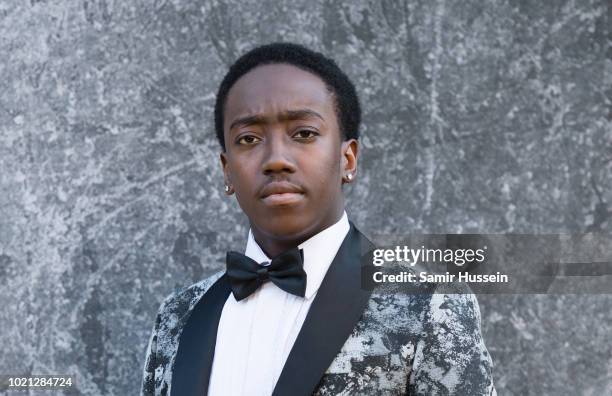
(350, 153)
(226, 173)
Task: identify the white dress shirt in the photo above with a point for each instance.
(255, 335)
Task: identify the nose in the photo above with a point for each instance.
(277, 156)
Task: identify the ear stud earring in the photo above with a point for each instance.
(227, 188)
(349, 176)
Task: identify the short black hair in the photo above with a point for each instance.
(348, 110)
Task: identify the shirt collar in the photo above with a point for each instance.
(319, 252)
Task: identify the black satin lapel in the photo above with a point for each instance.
(337, 307)
(191, 370)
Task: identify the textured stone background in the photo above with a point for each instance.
(479, 117)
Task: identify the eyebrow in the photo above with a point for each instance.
(288, 115)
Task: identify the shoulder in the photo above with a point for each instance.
(175, 310)
(425, 303)
(163, 344)
(183, 300)
(450, 307)
(454, 306)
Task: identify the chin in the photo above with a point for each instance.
(284, 226)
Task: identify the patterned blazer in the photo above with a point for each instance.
(355, 340)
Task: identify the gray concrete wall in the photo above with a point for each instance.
(479, 116)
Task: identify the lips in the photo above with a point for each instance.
(280, 188)
(281, 193)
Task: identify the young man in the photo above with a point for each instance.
(289, 317)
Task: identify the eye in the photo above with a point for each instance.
(247, 139)
(305, 134)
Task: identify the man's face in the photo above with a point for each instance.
(284, 157)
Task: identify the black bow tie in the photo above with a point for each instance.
(286, 271)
